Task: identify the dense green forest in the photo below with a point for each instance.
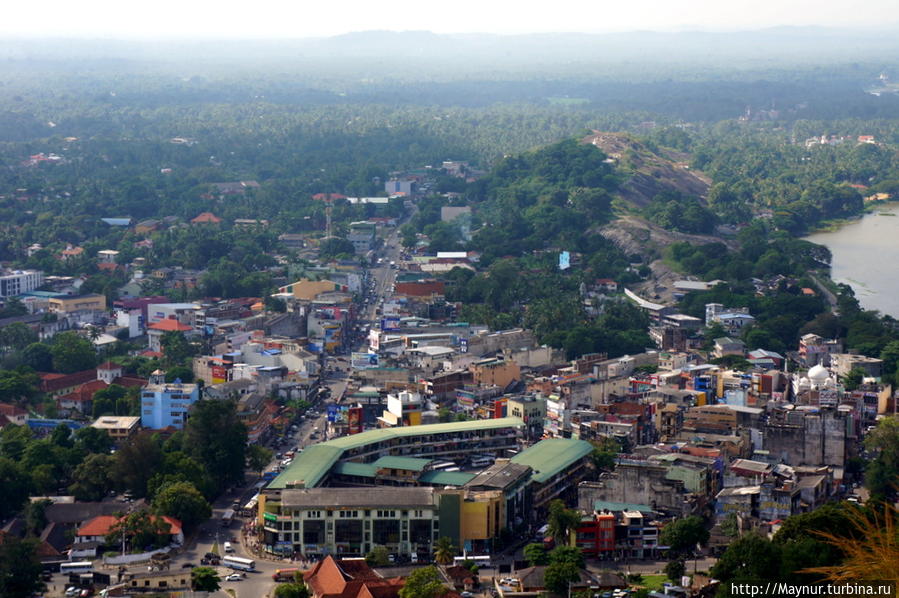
(345, 128)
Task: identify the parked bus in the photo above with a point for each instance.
(77, 567)
(482, 461)
(284, 574)
(481, 561)
(442, 465)
(239, 563)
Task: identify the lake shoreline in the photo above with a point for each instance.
(863, 249)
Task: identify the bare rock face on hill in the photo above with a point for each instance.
(648, 173)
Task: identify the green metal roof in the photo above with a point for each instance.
(600, 505)
(446, 478)
(364, 470)
(549, 457)
(373, 436)
(310, 466)
(405, 463)
(314, 463)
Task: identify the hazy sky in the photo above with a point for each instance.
(315, 18)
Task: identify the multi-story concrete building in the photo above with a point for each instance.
(558, 465)
(119, 428)
(16, 282)
(80, 303)
(165, 404)
(351, 521)
(512, 479)
(807, 435)
(362, 236)
(531, 410)
(403, 409)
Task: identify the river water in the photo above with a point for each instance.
(866, 257)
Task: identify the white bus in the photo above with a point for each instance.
(227, 518)
(241, 564)
(481, 561)
(442, 465)
(76, 567)
(482, 461)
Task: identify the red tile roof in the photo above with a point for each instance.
(100, 525)
(130, 381)
(169, 325)
(349, 579)
(7, 409)
(55, 382)
(206, 218)
(85, 392)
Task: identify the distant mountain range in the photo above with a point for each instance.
(766, 47)
(806, 41)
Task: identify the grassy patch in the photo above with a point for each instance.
(654, 582)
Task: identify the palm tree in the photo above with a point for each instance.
(444, 551)
(562, 522)
(871, 553)
(93, 333)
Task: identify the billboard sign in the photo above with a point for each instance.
(364, 361)
(391, 323)
(219, 374)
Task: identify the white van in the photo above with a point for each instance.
(228, 547)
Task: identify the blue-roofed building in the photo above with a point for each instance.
(117, 221)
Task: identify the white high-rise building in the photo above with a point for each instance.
(16, 282)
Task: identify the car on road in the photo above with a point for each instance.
(234, 577)
(188, 566)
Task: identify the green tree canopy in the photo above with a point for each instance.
(423, 583)
(93, 478)
(176, 348)
(20, 568)
(218, 440)
(184, 502)
(558, 576)
(682, 535)
(204, 579)
(535, 554)
(567, 554)
(72, 353)
(292, 590)
(258, 457)
(378, 556)
(17, 336)
(882, 472)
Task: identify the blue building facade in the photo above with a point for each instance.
(166, 404)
